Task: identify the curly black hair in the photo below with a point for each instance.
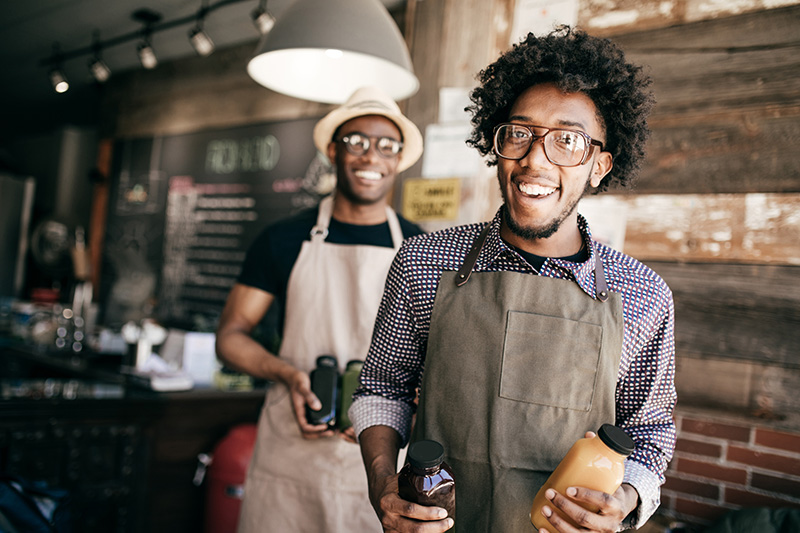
(575, 62)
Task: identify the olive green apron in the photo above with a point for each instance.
(518, 368)
(296, 485)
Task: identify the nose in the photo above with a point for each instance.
(372, 153)
(536, 157)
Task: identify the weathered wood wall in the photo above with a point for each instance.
(716, 210)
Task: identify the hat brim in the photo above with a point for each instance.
(412, 138)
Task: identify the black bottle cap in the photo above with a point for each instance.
(616, 439)
(327, 360)
(425, 454)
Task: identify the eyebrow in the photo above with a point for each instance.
(522, 118)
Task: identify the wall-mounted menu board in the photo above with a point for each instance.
(183, 210)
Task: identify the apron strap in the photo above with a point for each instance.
(320, 230)
(601, 287)
(394, 228)
(469, 262)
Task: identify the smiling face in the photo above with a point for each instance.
(365, 179)
(541, 197)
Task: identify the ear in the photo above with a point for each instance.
(600, 168)
(332, 152)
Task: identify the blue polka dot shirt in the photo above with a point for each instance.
(645, 391)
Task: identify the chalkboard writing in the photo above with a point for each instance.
(185, 209)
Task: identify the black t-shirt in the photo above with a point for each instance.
(271, 257)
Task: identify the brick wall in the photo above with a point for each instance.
(722, 464)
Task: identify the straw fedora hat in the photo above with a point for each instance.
(371, 101)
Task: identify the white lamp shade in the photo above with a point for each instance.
(323, 50)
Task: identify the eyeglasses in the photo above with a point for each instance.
(359, 143)
(565, 148)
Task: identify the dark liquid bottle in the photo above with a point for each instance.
(426, 479)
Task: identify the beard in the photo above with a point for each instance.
(532, 233)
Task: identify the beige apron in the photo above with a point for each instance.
(518, 367)
(316, 486)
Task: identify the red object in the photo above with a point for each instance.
(225, 479)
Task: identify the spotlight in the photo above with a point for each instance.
(59, 81)
(97, 66)
(99, 70)
(145, 50)
(262, 19)
(200, 40)
(57, 77)
(146, 54)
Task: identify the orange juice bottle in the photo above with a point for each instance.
(595, 463)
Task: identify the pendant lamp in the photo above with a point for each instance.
(323, 50)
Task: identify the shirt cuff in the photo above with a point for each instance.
(368, 411)
(648, 485)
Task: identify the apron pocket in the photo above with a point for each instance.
(550, 361)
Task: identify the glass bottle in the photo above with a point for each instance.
(595, 463)
(426, 479)
(349, 386)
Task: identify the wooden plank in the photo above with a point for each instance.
(727, 117)
(732, 152)
(747, 312)
(745, 228)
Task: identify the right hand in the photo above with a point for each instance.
(299, 384)
(399, 515)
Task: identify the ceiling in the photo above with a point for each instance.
(28, 29)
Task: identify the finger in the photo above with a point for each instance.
(605, 503)
(394, 504)
(589, 435)
(569, 509)
(349, 434)
(311, 435)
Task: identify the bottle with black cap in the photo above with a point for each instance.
(596, 463)
(426, 478)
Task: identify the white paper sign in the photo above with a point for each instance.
(446, 153)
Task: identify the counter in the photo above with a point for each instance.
(127, 455)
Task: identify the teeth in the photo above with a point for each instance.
(535, 190)
(368, 174)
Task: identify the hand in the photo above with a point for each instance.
(299, 384)
(348, 434)
(398, 515)
(612, 509)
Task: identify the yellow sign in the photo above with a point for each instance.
(431, 199)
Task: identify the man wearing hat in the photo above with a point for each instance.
(325, 268)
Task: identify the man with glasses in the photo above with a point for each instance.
(523, 334)
(325, 269)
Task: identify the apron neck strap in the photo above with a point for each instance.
(601, 287)
(394, 228)
(469, 262)
(320, 230)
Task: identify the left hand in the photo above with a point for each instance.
(612, 509)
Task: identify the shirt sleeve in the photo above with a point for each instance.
(393, 368)
(258, 268)
(645, 402)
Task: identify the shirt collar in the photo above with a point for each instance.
(494, 248)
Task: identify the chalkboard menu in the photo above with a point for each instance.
(184, 209)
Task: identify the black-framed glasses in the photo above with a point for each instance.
(359, 143)
(565, 148)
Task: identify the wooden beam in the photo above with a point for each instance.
(747, 312)
(731, 228)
